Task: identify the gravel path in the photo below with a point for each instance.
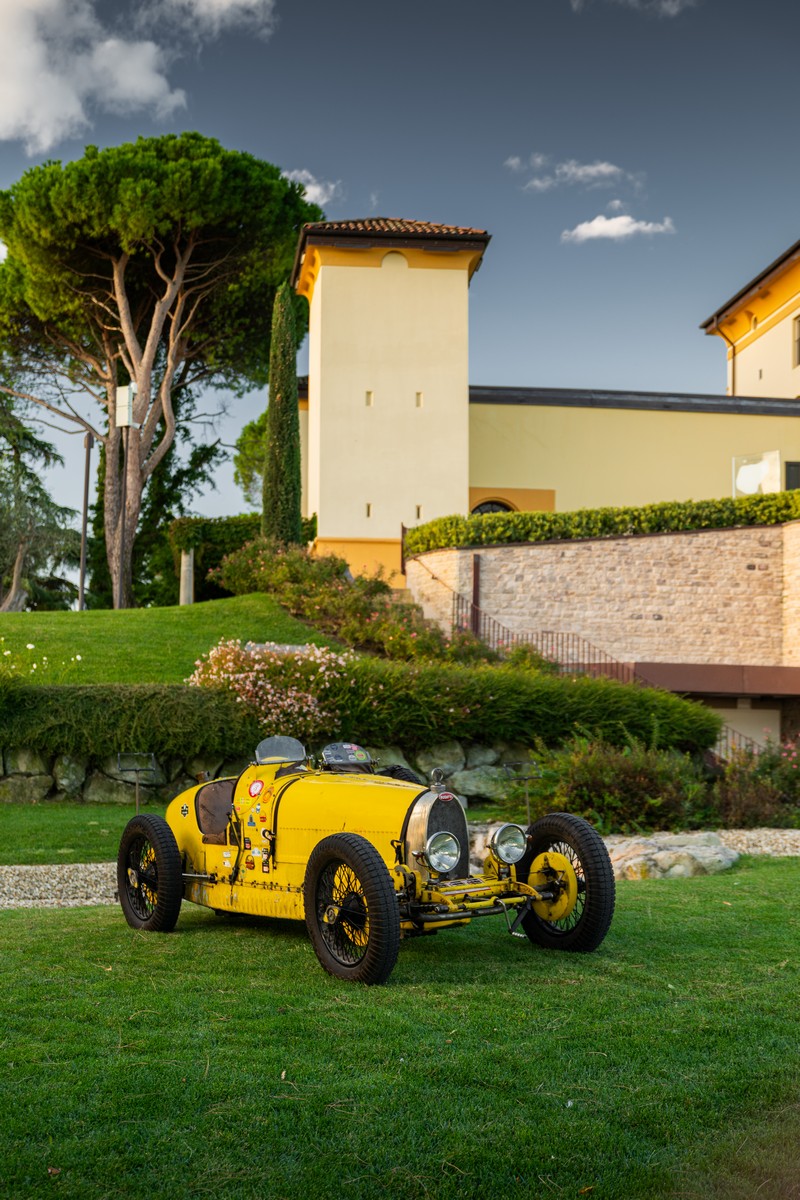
(95, 883)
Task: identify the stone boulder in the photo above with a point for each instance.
(25, 789)
(69, 774)
(388, 756)
(669, 855)
(22, 761)
(449, 756)
(481, 756)
(486, 783)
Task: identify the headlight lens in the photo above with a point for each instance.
(508, 843)
(442, 852)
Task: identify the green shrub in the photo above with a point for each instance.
(360, 611)
(416, 704)
(212, 538)
(634, 788)
(95, 721)
(371, 700)
(630, 788)
(668, 517)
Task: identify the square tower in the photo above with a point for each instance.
(388, 392)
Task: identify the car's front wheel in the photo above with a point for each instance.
(149, 874)
(568, 858)
(351, 907)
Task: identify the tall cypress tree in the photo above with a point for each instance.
(281, 516)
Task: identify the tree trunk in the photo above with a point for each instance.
(17, 595)
(119, 542)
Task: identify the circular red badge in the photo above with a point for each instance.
(256, 788)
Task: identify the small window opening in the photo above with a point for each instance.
(370, 399)
(369, 510)
(792, 470)
(420, 399)
(419, 512)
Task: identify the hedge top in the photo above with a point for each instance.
(668, 517)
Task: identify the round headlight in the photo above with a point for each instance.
(508, 843)
(442, 852)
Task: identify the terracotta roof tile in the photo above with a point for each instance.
(393, 226)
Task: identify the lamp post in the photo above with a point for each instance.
(123, 421)
(88, 442)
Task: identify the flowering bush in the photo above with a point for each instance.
(295, 692)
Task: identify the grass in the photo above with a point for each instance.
(144, 645)
(64, 832)
(221, 1061)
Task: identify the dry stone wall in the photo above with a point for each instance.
(713, 596)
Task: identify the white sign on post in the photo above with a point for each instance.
(125, 398)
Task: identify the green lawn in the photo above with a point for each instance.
(220, 1061)
(144, 645)
(64, 832)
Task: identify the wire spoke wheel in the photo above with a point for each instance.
(343, 913)
(352, 912)
(142, 877)
(587, 920)
(149, 874)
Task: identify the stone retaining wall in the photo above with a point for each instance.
(711, 596)
(27, 776)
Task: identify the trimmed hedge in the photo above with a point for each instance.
(97, 720)
(379, 702)
(669, 517)
(416, 705)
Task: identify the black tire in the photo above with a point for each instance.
(405, 774)
(584, 928)
(360, 940)
(149, 874)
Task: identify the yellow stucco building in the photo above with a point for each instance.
(760, 326)
(393, 434)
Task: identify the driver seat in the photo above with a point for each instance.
(213, 804)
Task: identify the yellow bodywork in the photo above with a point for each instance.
(260, 873)
(280, 814)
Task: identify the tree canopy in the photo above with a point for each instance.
(155, 263)
(35, 533)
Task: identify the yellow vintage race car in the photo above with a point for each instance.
(364, 858)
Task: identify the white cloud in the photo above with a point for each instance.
(318, 191)
(209, 18)
(535, 162)
(3, 251)
(615, 206)
(658, 8)
(616, 229)
(58, 64)
(572, 173)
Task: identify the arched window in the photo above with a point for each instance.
(491, 506)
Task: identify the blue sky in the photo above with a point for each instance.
(634, 160)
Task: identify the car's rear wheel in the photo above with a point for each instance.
(567, 852)
(352, 913)
(149, 875)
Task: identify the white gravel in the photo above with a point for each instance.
(96, 883)
(58, 886)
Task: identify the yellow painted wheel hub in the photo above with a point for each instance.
(554, 872)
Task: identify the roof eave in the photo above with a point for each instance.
(752, 288)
